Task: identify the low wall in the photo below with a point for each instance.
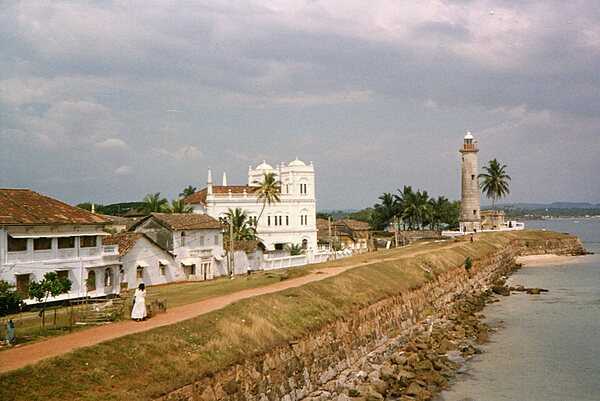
(295, 371)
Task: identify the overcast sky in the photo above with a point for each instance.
(108, 101)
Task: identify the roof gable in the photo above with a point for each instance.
(26, 207)
(200, 196)
(128, 240)
(182, 221)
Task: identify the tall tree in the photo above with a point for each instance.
(268, 191)
(187, 191)
(416, 209)
(495, 181)
(179, 206)
(384, 211)
(440, 209)
(241, 225)
(153, 203)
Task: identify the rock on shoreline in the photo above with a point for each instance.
(420, 366)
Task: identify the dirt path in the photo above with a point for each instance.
(28, 354)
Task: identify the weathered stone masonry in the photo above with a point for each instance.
(294, 371)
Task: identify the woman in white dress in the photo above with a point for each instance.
(138, 312)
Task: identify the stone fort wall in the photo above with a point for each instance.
(300, 369)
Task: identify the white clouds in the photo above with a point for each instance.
(111, 144)
(266, 77)
(184, 153)
(301, 99)
(124, 170)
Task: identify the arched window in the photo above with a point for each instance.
(91, 281)
(304, 243)
(108, 277)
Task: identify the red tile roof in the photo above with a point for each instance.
(126, 241)
(26, 207)
(200, 196)
(183, 221)
(355, 225)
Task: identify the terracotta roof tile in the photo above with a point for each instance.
(125, 241)
(187, 221)
(26, 207)
(354, 225)
(200, 196)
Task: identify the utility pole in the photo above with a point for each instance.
(231, 255)
(396, 223)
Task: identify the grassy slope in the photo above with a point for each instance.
(29, 328)
(146, 365)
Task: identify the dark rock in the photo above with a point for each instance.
(501, 290)
(536, 291)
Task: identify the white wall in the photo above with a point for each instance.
(77, 261)
(145, 253)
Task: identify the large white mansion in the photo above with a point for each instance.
(290, 221)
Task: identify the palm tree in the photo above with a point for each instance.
(439, 210)
(385, 211)
(495, 181)
(154, 203)
(187, 191)
(179, 206)
(241, 225)
(268, 191)
(295, 249)
(416, 208)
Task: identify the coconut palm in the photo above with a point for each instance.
(154, 203)
(187, 191)
(268, 191)
(385, 211)
(494, 181)
(295, 249)
(440, 208)
(179, 206)
(416, 209)
(241, 226)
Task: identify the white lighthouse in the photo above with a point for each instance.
(470, 205)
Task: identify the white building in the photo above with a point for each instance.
(195, 240)
(144, 261)
(290, 221)
(39, 234)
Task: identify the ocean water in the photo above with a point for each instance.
(547, 347)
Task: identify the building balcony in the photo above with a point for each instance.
(107, 253)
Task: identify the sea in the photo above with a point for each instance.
(546, 347)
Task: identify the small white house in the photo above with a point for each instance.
(196, 240)
(39, 234)
(144, 261)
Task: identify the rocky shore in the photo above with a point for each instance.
(407, 346)
(417, 366)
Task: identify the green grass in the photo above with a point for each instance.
(146, 365)
(28, 325)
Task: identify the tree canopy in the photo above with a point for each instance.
(494, 181)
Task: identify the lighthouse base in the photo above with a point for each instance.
(470, 226)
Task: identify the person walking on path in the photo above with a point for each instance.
(138, 313)
(10, 333)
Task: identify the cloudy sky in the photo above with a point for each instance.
(108, 101)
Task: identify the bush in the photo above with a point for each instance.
(10, 300)
(468, 264)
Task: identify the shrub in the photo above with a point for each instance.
(10, 300)
(468, 264)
